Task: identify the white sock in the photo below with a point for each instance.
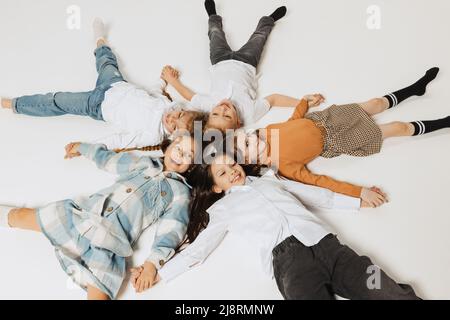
(4, 212)
(99, 29)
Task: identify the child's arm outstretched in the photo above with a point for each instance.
(372, 197)
(129, 140)
(318, 197)
(279, 100)
(107, 160)
(172, 77)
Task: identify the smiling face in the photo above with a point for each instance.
(226, 174)
(179, 155)
(178, 120)
(224, 116)
(252, 148)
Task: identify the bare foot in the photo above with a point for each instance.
(6, 103)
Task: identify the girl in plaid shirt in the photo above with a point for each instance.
(94, 235)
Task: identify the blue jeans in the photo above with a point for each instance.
(78, 103)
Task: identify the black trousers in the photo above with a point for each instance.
(250, 53)
(328, 268)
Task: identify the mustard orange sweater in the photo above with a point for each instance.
(300, 142)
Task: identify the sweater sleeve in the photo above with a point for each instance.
(300, 110)
(302, 174)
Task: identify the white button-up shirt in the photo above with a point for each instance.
(137, 114)
(236, 81)
(265, 212)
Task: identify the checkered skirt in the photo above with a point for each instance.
(347, 129)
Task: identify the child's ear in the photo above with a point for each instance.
(216, 189)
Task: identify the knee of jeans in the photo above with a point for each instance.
(104, 62)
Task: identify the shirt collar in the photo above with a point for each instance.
(158, 170)
(176, 176)
(246, 186)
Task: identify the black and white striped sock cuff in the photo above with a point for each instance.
(393, 101)
(419, 128)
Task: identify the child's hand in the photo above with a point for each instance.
(373, 197)
(314, 100)
(144, 277)
(72, 150)
(169, 74)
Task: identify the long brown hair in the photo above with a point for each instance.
(203, 197)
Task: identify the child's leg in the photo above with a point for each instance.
(378, 105)
(53, 104)
(251, 52)
(106, 61)
(22, 218)
(375, 106)
(299, 273)
(402, 129)
(219, 50)
(356, 277)
(416, 89)
(107, 68)
(94, 293)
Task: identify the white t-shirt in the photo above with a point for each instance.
(236, 81)
(136, 113)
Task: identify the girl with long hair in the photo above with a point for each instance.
(94, 235)
(270, 213)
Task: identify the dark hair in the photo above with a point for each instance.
(202, 181)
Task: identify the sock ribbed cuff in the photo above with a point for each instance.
(419, 128)
(423, 127)
(393, 101)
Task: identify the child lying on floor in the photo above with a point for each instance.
(143, 118)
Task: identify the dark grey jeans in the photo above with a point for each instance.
(250, 53)
(328, 268)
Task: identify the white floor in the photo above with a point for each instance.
(321, 46)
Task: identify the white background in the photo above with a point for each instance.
(320, 46)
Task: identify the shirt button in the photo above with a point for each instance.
(146, 177)
(163, 193)
(129, 190)
(161, 263)
(110, 209)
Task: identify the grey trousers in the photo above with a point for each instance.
(328, 268)
(250, 53)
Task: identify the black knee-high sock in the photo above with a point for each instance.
(416, 89)
(423, 127)
(210, 7)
